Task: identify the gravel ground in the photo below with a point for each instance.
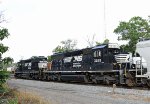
(66, 93)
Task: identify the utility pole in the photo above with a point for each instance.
(105, 19)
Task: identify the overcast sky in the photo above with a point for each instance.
(36, 27)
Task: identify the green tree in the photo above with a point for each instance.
(49, 59)
(59, 49)
(106, 41)
(135, 28)
(67, 45)
(3, 34)
(8, 60)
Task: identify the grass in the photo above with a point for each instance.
(13, 96)
(29, 98)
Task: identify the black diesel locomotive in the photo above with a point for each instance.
(100, 64)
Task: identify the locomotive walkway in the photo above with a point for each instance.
(66, 93)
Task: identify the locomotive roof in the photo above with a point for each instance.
(66, 54)
(99, 47)
(74, 53)
(57, 56)
(79, 52)
(109, 45)
(34, 59)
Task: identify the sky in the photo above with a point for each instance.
(36, 27)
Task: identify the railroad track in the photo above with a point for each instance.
(142, 87)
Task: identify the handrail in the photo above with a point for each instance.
(139, 62)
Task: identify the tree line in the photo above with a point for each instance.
(131, 31)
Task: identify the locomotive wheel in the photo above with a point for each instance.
(94, 81)
(54, 78)
(33, 77)
(107, 81)
(48, 78)
(86, 78)
(129, 83)
(148, 83)
(59, 78)
(30, 76)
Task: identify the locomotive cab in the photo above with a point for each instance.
(31, 68)
(104, 56)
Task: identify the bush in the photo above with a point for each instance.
(4, 75)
